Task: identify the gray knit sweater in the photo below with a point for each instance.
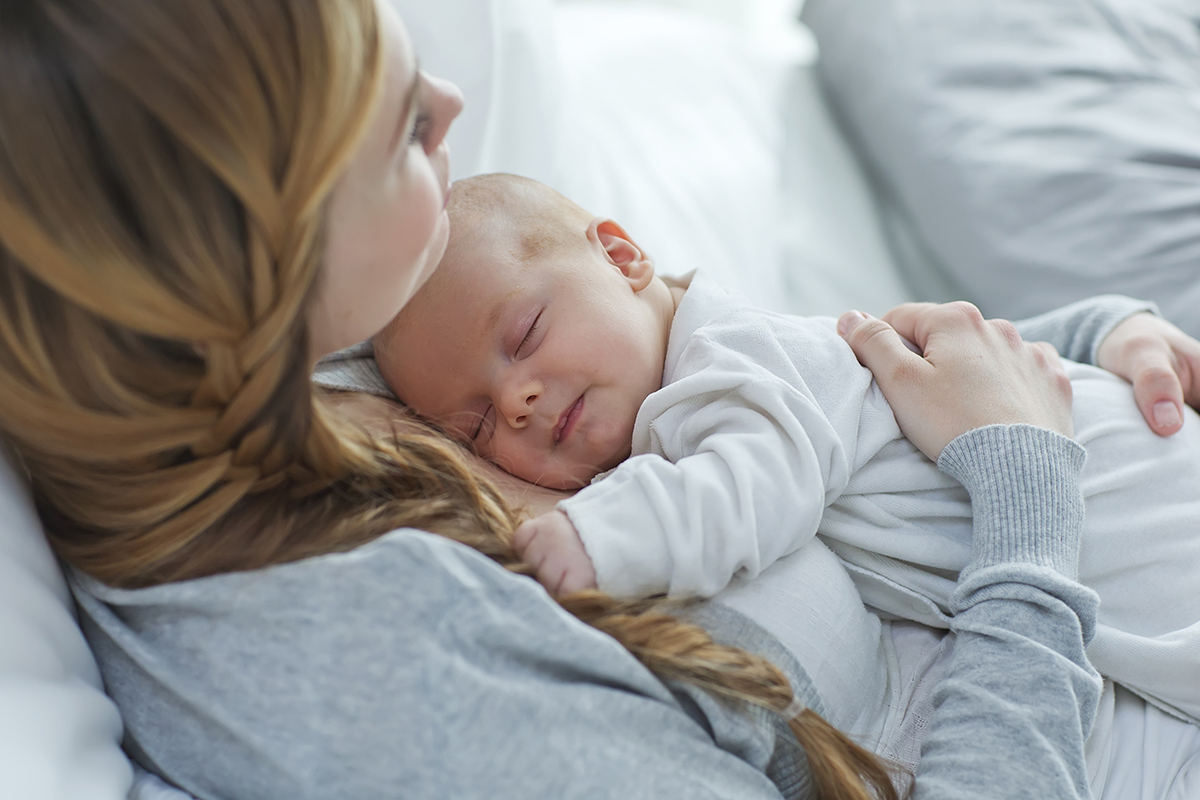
(414, 667)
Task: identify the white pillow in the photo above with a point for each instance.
(713, 150)
(502, 54)
(717, 151)
(59, 733)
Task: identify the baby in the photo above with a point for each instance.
(545, 342)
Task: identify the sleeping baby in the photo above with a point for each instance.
(726, 437)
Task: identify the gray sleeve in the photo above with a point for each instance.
(1020, 696)
(410, 667)
(1078, 330)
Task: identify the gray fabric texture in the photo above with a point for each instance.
(411, 667)
(1036, 152)
(1024, 695)
(1077, 330)
(352, 370)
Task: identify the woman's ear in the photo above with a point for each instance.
(622, 252)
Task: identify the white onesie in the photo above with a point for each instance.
(768, 431)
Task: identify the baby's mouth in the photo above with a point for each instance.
(566, 423)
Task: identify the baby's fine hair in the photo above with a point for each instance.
(498, 208)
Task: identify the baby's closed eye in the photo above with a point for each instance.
(526, 341)
(483, 427)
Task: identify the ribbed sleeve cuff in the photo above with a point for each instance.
(1116, 310)
(1025, 491)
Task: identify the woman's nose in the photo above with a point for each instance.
(445, 101)
(516, 404)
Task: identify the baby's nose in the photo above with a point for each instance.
(519, 400)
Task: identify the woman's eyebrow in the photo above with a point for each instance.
(406, 108)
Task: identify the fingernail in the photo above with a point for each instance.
(1166, 414)
(849, 321)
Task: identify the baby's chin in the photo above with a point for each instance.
(562, 477)
(565, 480)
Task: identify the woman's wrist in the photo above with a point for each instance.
(1024, 483)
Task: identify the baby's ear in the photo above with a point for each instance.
(622, 252)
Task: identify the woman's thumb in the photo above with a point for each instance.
(877, 345)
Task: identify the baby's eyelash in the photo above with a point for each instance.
(479, 427)
(529, 333)
(420, 128)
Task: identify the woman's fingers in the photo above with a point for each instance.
(1158, 393)
(1163, 364)
(918, 321)
(973, 372)
(880, 347)
(902, 375)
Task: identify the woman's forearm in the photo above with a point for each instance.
(1078, 330)
(1019, 698)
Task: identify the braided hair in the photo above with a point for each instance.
(164, 171)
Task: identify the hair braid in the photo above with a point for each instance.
(164, 166)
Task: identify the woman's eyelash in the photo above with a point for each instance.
(529, 333)
(420, 128)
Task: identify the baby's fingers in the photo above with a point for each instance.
(551, 546)
(524, 535)
(575, 577)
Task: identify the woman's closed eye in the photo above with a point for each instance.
(421, 128)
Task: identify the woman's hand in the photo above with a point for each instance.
(974, 372)
(1163, 364)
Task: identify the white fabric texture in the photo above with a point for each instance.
(59, 733)
(807, 601)
(767, 429)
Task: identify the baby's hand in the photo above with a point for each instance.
(551, 545)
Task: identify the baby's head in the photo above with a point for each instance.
(538, 336)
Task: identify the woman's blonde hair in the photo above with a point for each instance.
(164, 170)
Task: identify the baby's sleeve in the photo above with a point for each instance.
(757, 461)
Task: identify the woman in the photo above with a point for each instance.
(198, 200)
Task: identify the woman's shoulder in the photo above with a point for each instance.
(403, 662)
(409, 569)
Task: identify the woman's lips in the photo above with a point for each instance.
(567, 422)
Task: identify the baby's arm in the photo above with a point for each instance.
(751, 489)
